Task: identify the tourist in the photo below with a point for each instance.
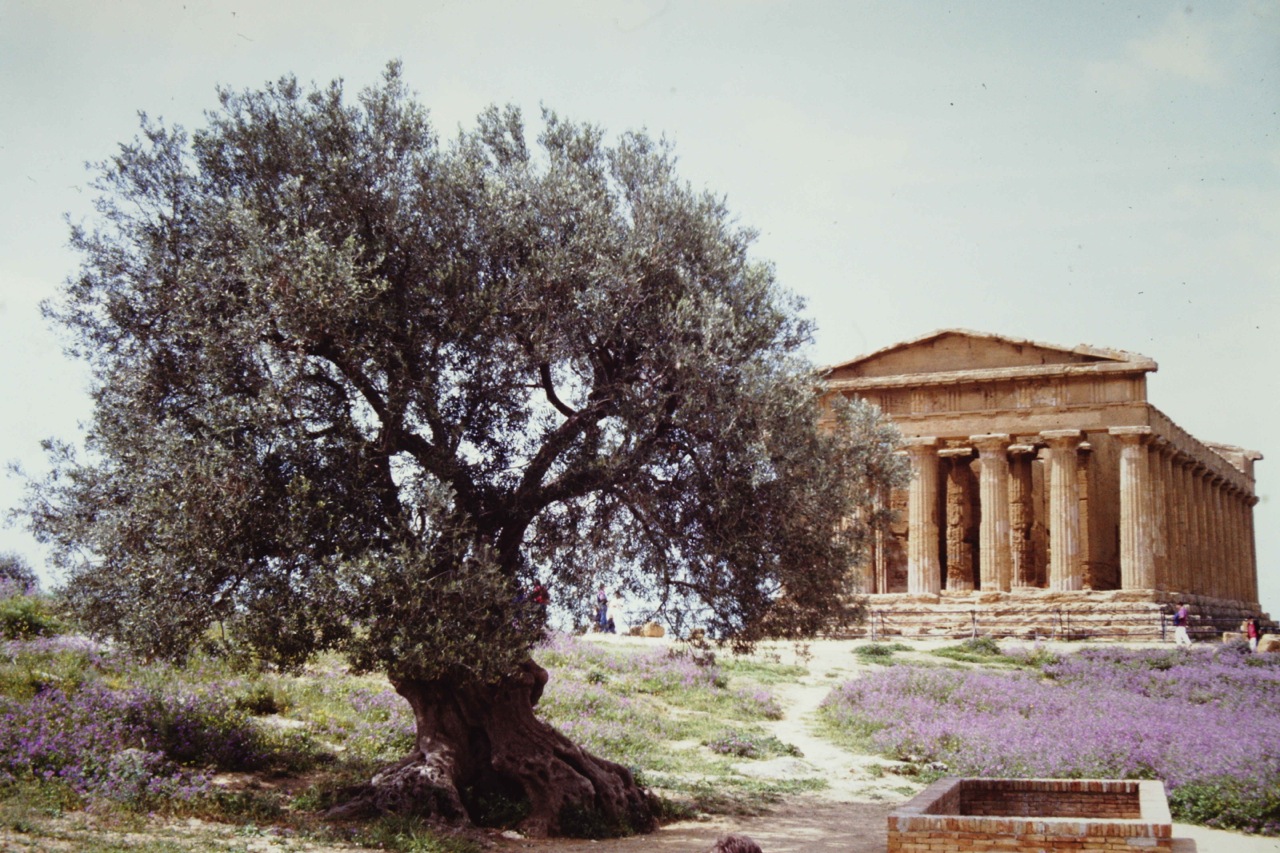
(1180, 618)
(602, 609)
(735, 844)
(1251, 631)
(614, 622)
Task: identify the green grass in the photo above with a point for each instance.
(410, 835)
(729, 795)
(760, 672)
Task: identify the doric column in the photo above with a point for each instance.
(1217, 561)
(863, 572)
(1234, 503)
(1190, 525)
(1200, 509)
(1246, 574)
(1246, 577)
(924, 573)
(1064, 510)
(880, 558)
(1085, 559)
(1182, 521)
(1137, 568)
(1238, 551)
(1251, 552)
(1230, 572)
(994, 557)
(959, 502)
(1178, 523)
(1161, 488)
(1021, 516)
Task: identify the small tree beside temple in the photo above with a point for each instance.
(359, 390)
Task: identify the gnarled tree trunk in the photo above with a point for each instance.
(484, 740)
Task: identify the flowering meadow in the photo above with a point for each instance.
(1206, 721)
(84, 727)
(617, 703)
(87, 727)
(70, 714)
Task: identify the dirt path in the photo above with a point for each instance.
(801, 825)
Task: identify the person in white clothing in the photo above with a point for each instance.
(1180, 618)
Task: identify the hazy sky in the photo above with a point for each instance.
(1069, 172)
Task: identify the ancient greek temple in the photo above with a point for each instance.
(1043, 468)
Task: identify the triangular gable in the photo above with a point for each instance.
(950, 350)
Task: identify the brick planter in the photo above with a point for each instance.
(1034, 815)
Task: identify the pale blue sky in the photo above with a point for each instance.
(1102, 173)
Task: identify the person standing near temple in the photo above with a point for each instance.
(1180, 618)
(602, 609)
(614, 620)
(1251, 632)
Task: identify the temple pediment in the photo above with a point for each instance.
(950, 351)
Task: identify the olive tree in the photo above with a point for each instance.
(358, 389)
(16, 575)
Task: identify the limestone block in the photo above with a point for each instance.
(1232, 636)
(1269, 643)
(653, 629)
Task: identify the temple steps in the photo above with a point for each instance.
(1134, 615)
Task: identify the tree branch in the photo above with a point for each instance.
(544, 370)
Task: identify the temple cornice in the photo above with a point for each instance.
(992, 374)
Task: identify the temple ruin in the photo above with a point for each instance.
(1039, 470)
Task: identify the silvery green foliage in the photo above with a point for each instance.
(16, 575)
(357, 388)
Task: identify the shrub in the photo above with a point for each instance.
(1033, 657)
(986, 646)
(751, 745)
(24, 617)
(879, 651)
(757, 703)
(16, 576)
(1228, 804)
(260, 699)
(973, 650)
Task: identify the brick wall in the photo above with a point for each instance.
(1048, 798)
(1061, 816)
